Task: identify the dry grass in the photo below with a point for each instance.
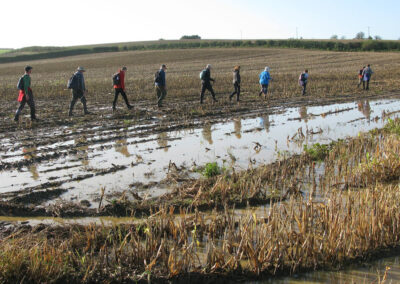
(332, 73)
(296, 235)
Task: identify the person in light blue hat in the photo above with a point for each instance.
(265, 77)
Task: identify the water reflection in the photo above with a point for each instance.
(365, 108)
(237, 124)
(264, 122)
(303, 113)
(82, 151)
(162, 141)
(122, 147)
(367, 273)
(30, 153)
(207, 133)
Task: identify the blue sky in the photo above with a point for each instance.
(76, 22)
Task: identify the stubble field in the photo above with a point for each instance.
(201, 185)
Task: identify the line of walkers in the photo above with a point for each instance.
(78, 88)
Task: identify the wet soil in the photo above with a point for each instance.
(64, 166)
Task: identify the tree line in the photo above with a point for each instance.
(333, 45)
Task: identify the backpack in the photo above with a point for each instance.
(73, 82)
(116, 79)
(20, 85)
(303, 77)
(157, 77)
(203, 74)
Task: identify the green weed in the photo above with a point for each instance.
(211, 170)
(317, 152)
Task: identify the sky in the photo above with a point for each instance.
(78, 22)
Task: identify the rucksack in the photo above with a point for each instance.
(20, 85)
(203, 74)
(116, 79)
(157, 77)
(73, 82)
(303, 77)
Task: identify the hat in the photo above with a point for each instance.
(27, 68)
(164, 66)
(124, 68)
(266, 68)
(80, 68)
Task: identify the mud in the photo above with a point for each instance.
(67, 161)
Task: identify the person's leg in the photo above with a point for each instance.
(123, 94)
(304, 88)
(73, 101)
(31, 104)
(363, 84)
(210, 88)
(234, 92)
(367, 88)
(238, 93)
(20, 108)
(203, 89)
(266, 90)
(261, 91)
(117, 91)
(163, 93)
(83, 100)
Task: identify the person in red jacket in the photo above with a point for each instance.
(119, 87)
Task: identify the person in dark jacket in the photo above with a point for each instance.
(303, 80)
(26, 95)
(206, 83)
(79, 92)
(161, 85)
(236, 83)
(120, 88)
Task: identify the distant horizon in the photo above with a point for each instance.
(205, 39)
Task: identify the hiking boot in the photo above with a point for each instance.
(87, 112)
(35, 119)
(114, 109)
(16, 119)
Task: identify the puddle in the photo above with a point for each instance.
(366, 273)
(129, 158)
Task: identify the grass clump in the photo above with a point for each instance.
(211, 170)
(393, 126)
(317, 152)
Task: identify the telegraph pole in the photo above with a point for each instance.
(369, 32)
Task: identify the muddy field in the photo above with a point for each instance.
(78, 161)
(157, 162)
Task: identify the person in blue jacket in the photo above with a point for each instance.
(265, 77)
